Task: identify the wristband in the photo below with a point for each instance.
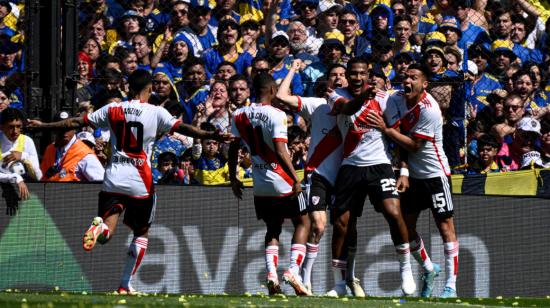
(404, 172)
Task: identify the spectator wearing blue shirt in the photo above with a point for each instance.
(129, 25)
(471, 33)
(307, 14)
(9, 67)
(164, 88)
(503, 57)
(143, 48)
(380, 23)
(4, 29)
(356, 45)
(193, 89)
(227, 50)
(111, 9)
(180, 50)
(361, 9)
(484, 83)
(280, 61)
(450, 27)
(382, 56)
(199, 16)
(402, 32)
(330, 53)
(524, 86)
(224, 9)
(401, 63)
(521, 29)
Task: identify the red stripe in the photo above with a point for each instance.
(353, 137)
(116, 115)
(421, 136)
(302, 249)
(138, 260)
(439, 159)
(299, 259)
(324, 148)
(265, 153)
(423, 254)
(276, 260)
(87, 121)
(299, 104)
(280, 140)
(455, 260)
(175, 126)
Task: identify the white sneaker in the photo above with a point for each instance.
(355, 287)
(337, 291)
(408, 286)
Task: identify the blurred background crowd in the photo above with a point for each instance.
(489, 64)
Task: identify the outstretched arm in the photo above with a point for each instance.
(67, 123)
(195, 132)
(406, 142)
(349, 107)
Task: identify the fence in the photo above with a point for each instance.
(205, 241)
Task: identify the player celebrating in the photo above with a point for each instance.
(128, 182)
(418, 115)
(366, 170)
(277, 191)
(324, 159)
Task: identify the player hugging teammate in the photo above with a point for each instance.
(349, 159)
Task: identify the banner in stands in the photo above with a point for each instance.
(204, 241)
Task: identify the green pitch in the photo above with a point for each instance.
(97, 300)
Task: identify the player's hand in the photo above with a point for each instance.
(23, 190)
(222, 137)
(296, 65)
(237, 187)
(376, 121)
(34, 123)
(402, 183)
(296, 189)
(13, 156)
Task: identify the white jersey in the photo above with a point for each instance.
(259, 126)
(133, 128)
(324, 155)
(423, 121)
(363, 145)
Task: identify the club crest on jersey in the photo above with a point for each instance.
(315, 200)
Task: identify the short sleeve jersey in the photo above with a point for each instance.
(133, 126)
(423, 121)
(363, 145)
(324, 155)
(260, 126)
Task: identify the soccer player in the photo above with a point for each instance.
(324, 158)
(277, 191)
(366, 170)
(128, 183)
(418, 115)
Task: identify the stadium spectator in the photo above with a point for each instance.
(85, 69)
(164, 89)
(454, 58)
(224, 10)
(225, 71)
(513, 113)
(279, 60)
(328, 17)
(10, 58)
(380, 23)
(142, 47)
(173, 55)
(519, 152)
(474, 29)
(167, 171)
(4, 98)
(199, 26)
(403, 32)
(209, 165)
(307, 15)
(215, 109)
(486, 161)
(96, 28)
(239, 92)
(193, 89)
(296, 147)
(382, 55)
(524, 86)
(401, 62)
(250, 34)
(69, 159)
(303, 44)
(356, 45)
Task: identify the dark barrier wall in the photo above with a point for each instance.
(204, 241)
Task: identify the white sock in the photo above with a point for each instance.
(297, 256)
(311, 254)
(451, 264)
(352, 251)
(271, 259)
(420, 254)
(105, 234)
(339, 268)
(136, 251)
(404, 257)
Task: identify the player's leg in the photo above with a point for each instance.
(350, 253)
(339, 251)
(300, 220)
(101, 229)
(319, 194)
(442, 211)
(139, 216)
(271, 241)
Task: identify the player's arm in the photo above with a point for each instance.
(403, 179)
(284, 93)
(345, 106)
(67, 123)
(410, 144)
(286, 163)
(195, 132)
(232, 161)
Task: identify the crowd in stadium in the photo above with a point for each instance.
(488, 64)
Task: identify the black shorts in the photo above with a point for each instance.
(273, 208)
(432, 193)
(319, 193)
(353, 184)
(139, 213)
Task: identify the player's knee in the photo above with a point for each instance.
(273, 232)
(318, 229)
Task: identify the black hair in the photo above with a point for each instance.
(11, 114)
(295, 132)
(238, 77)
(260, 59)
(102, 62)
(487, 140)
(224, 63)
(262, 82)
(138, 81)
(523, 72)
(174, 107)
(167, 156)
(111, 74)
(348, 11)
(104, 97)
(420, 67)
(209, 127)
(193, 61)
(356, 60)
(401, 18)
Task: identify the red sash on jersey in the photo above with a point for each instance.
(353, 136)
(261, 149)
(326, 146)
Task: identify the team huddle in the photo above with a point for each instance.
(352, 129)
